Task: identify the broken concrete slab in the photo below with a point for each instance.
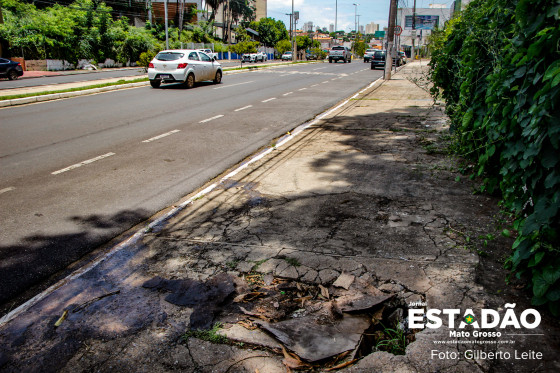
(256, 337)
(314, 342)
(344, 280)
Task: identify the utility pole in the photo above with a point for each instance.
(293, 33)
(390, 38)
(413, 33)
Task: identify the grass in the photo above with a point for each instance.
(210, 335)
(393, 341)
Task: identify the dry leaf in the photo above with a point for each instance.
(378, 316)
(324, 292)
(61, 319)
(340, 366)
(292, 360)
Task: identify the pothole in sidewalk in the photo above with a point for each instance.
(313, 326)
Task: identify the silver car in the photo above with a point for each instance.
(185, 66)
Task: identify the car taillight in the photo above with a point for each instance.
(150, 65)
(182, 65)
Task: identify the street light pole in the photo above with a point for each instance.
(355, 17)
(166, 30)
(335, 15)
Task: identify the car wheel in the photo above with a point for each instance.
(12, 75)
(330, 60)
(350, 60)
(155, 83)
(189, 83)
(218, 78)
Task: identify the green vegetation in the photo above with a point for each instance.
(392, 340)
(210, 335)
(86, 29)
(497, 66)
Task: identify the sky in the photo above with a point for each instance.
(322, 12)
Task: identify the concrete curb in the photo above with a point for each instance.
(57, 96)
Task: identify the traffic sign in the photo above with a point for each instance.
(398, 30)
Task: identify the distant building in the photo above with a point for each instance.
(331, 27)
(260, 9)
(371, 28)
(361, 28)
(308, 26)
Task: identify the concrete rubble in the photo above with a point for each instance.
(360, 217)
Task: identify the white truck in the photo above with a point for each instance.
(209, 53)
(255, 57)
(340, 53)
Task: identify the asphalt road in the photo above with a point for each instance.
(75, 173)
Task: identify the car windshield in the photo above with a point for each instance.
(288, 53)
(379, 54)
(169, 56)
(338, 48)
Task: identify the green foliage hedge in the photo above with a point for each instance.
(497, 66)
(87, 29)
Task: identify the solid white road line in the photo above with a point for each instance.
(233, 85)
(162, 136)
(82, 163)
(270, 99)
(288, 93)
(243, 108)
(209, 119)
(5, 190)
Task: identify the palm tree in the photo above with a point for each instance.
(214, 5)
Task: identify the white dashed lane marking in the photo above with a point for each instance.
(162, 136)
(209, 119)
(244, 107)
(233, 85)
(288, 93)
(270, 99)
(83, 163)
(5, 190)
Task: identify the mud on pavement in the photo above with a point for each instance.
(310, 259)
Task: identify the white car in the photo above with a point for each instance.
(249, 57)
(369, 54)
(185, 66)
(287, 56)
(261, 56)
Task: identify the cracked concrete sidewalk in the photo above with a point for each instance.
(367, 191)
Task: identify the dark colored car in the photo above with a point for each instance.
(378, 60)
(10, 69)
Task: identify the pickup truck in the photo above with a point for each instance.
(209, 53)
(255, 57)
(339, 53)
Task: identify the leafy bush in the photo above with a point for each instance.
(497, 66)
